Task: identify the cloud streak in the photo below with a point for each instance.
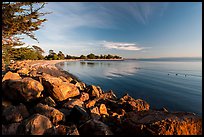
(121, 46)
(67, 17)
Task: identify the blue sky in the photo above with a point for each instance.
(131, 30)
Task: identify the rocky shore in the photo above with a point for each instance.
(40, 99)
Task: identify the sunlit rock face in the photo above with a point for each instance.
(162, 123)
(58, 89)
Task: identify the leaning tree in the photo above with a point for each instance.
(20, 18)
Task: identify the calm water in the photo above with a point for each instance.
(176, 85)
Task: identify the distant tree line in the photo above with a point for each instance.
(54, 56)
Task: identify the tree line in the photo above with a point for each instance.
(54, 56)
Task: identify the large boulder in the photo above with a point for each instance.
(130, 103)
(13, 114)
(95, 127)
(35, 125)
(58, 89)
(154, 122)
(24, 89)
(11, 75)
(50, 112)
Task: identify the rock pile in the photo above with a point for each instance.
(38, 103)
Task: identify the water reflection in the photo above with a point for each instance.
(105, 69)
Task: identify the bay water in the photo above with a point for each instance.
(171, 83)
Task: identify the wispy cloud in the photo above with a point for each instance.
(121, 46)
(70, 15)
(64, 25)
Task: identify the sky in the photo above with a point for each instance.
(127, 29)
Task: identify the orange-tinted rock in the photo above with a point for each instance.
(90, 104)
(33, 73)
(50, 112)
(103, 109)
(58, 89)
(69, 79)
(12, 76)
(95, 113)
(32, 88)
(93, 91)
(162, 123)
(35, 125)
(108, 95)
(23, 71)
(64, 79)
(84, 96)
(23, 89)
(80, 85)
(130, 103)
(71, 103)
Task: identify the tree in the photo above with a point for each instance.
(61, 55)
(68, 57)
(51, 52)
(109, 56)
(20, 18)
(38, 51)
(55, 57)
(82, 57)
(23, 53)
(91, 56)
(101, 56)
